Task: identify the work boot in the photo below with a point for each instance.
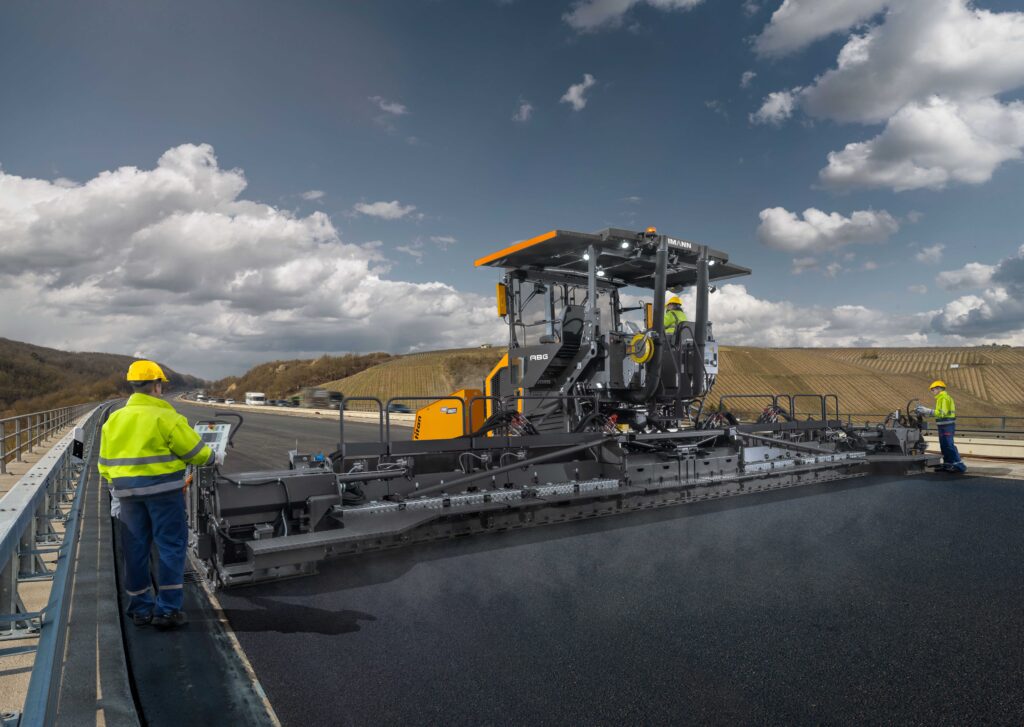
(142, 619)
(173, 620)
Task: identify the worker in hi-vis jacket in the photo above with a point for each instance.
(945, 421)
(144, 448)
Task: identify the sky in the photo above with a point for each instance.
(217, 184)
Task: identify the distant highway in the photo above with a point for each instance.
(884, 600)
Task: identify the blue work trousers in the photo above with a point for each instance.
(950, 455)
(145, 520)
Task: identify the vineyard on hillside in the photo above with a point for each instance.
(985, 381)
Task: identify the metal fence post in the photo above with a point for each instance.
(17, 439)
(3, 448)
(9, 601)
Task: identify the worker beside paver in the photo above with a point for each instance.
(945, 422)
(143, 452)
(674, 315)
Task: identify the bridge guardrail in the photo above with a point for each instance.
(27, 514)
(25, 431)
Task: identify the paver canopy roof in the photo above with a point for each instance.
(625, 256)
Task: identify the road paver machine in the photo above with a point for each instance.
(594, 410)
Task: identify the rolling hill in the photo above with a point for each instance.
(34, 378)
(277, 379)
(988, 380)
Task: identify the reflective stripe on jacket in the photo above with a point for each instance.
(145, 447)
(944, 406)
(672, 319)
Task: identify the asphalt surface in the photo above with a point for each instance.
(263, 440)
(877, 601)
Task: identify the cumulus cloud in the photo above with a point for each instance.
(523, 112)
(392, 210)
(798, 23)
(818, 231)
(741, 318)
(918, 289)
(313, 194)
(576, 95)
(997, 311)
(747, 78)
(592, 15)
(930, 255)
(172, 261)
(971, 275)
(930, 70)
(389, 107)
(776, 108)
(930, 144)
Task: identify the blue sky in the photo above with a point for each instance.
(384, 134)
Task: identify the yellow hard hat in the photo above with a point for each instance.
(674, 299)
(939, 382)
(145, 371)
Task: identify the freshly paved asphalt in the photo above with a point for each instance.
(877, 601)
(264, 439)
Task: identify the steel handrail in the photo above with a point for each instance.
(44, 683)
(29, 429)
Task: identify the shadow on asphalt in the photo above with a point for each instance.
(367, 569)
(293, 618)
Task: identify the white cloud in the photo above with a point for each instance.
(918, 289)
(392, 210)
(913, 217)
(313, 194)
(591, 15)
(576, 95)
(799, 22)
(931, 70)
(443, 241)
(776, 108)
(998, 311)
(523, 112)
(746, 78)
(930, 255)
(389, 107)
(869, 265)
(971, 275)
(751, 7)
(740, 318)
(832, 270)
(819, 231)
(172, 261)
(931, 144)
(803, 264)
(414, 250)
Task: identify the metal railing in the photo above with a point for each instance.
(20, 434)
(964, 423)
(50, 492)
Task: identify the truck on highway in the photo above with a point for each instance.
(255, 398)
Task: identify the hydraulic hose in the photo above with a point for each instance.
(460, 481)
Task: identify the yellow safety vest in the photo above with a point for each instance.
(944, 406)
(145, 447)
(672, 319)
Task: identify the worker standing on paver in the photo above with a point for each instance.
(143, 452)
(945, 421)
(674, 315)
